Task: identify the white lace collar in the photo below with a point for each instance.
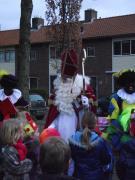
(129, 98)
(13, 97)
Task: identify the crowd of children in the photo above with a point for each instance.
(28, 156)
(86, 154)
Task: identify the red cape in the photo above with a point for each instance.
(52, 114)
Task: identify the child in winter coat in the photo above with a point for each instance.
(89, 151)
(31, 140)
(52, 132)
(12, 166)
(54, 161)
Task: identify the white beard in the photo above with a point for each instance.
(66, 93)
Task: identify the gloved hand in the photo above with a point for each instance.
(85, 101)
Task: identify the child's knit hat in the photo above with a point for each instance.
(46, 133)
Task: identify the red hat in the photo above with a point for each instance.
(46, 133)
(69, 65)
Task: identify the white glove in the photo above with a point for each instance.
(85, 101)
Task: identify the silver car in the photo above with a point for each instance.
(37, 106)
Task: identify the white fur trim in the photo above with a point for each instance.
(79, 81)
(66, 92)
(129, 98)
(64, 97)
(66, 125)
(13, 97)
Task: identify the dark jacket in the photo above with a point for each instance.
(33, 146)
(90, 164)
(11, 166)
(126, 164)
(46, 176)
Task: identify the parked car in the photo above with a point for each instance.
(37, 106)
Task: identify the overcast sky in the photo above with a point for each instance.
(10, 10)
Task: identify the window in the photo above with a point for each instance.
(7, 55)
(33, 83)
(55, 53)
(12, 56)
(90, 51)
(93, 82)
(132, 46)
(34, 55)
(52, 52)
(58, 52)
(124, 47)
(117, 48)
(2, 58)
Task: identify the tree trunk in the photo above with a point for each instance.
(24, 47)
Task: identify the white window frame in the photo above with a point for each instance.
(120, 40)
(8, 51)
(56, 49)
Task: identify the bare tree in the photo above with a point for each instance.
(63, 16)
(24, 46)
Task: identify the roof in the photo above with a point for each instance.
(109, 27)
(11, 37)
(106, 27)
(8, 38)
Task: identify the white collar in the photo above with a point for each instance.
(129, 98)
(13, 97)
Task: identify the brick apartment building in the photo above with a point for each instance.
(109, 43)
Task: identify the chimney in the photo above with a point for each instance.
(37, 23)
(90, 15)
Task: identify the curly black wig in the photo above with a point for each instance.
(8, 81)
(126, 78)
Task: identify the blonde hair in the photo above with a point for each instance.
(11, 131)
(88, 123)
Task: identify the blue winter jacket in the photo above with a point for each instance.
(90, 164)
(126, 163)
